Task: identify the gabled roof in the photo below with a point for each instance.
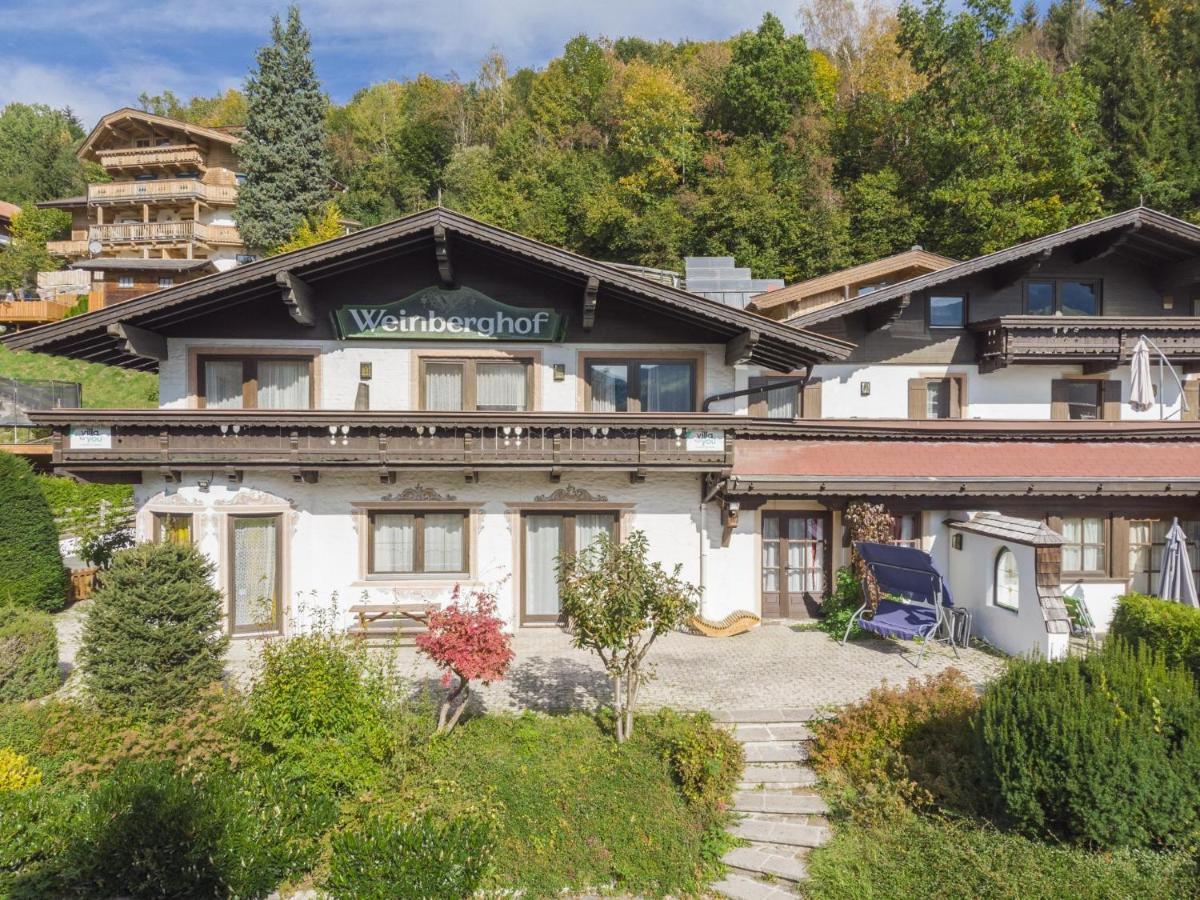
(1142, 228)
(87, 151)
(1009, 528)
(916, 258)
(768, 343)
(137, 264)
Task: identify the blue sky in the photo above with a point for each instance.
(98, 55)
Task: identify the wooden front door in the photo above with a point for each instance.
(795, 563)
(255, 569)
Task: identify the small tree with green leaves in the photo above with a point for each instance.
(619, 603)
(152, 639)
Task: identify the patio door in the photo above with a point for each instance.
(795, 563)
(255, 557)
(546, 537)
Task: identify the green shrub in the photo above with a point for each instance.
(68, 497)
(839, 607)
(36, 827)
(152, 641)
(1102, 750)
(705, 761)
(323, 710)
(31, 568)
(28, 654)
(1172, 629)
(902, 747)
(16, 774)
(386, 858)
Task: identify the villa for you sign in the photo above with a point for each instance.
(447, 314)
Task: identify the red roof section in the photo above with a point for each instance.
(967, 459)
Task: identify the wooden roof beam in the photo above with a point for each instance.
(297, 297)
(139, 342)
(1020, 268)
(884, 317)
(740, 348)
(590, 297)
(1104, 245)
(441, 249)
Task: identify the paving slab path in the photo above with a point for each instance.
(780, 815)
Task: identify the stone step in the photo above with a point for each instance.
(773, 716)
(742, 887)
(781, 731)
(779, 774)
(775, 752)
(763, 860)
(780, 803)
(789, 833)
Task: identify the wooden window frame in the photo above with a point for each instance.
(158, 517)
(966, 315)
(250, 363)
(1108, 395)
(633, 366)
(565, 548)
(808, 396)
(470, 366)
(918, 396)
(1013, 608)
(276, 627)
(418, 568)
(1106, 571)
(782, 515)
(1057, 281)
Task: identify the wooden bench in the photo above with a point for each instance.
(395, 622)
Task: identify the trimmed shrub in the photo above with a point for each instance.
(385, 858)
(1169, 628)
(16, 774)
(32, 573)
(903, 747)
(152, 640)
(706, 762)
(1102, 751)
(28, 654)
(839, 607)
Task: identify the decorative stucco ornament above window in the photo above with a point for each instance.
(448, 314)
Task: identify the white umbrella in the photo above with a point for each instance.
(1175, 580)
(1141, 390)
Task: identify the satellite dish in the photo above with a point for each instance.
(95, 248)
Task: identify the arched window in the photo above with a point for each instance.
(1007, 586)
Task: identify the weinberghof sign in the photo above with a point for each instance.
(448, 314)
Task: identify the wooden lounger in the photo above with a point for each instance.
(737, 622)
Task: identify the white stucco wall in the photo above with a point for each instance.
(1101, 598)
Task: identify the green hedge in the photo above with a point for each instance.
(28, 654)
(1170, 628)
(31, 568)
(68, 496)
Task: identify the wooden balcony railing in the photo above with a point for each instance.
(73, 247)
(32, 311)
(148, 233)
(302, 441)
(162, 189)
(1097, 341)
(222, 234)
(176, 156)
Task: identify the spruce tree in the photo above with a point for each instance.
(31, 567)
(283, 155)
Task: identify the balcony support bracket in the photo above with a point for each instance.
(139, 342)
(589, 302)
(441, 249)
(739, 349)
(297, 297)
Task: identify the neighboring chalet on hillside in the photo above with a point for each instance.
(437, 401)
(7, 212)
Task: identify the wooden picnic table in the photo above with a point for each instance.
(392, 621)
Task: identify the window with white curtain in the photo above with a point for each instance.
(283, 384)
(548, 537)
(449, 385)
(254, 573)
(417, 542)
(223, 382)
(1083, 545)
(1007, 589)
(640, 385)
(234, 382)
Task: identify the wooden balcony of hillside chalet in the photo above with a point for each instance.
(32, 312)
(76, 246)
(178, 156)
(140, 233)
(116, 193)
(1096, 342)
(120, 444)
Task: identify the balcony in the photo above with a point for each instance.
(149, 233)
(167, 189)
(77, 246)
(123, 443)
(32, 312)
(181, 156)
(1097, 343)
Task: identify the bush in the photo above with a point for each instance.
(16, 774)
(1101, 751)
(31, 568)
(1171, 629)
(839, 607)
(705, 761)
(901, 747)
(152, 639)
(28, 654)
(386, 858)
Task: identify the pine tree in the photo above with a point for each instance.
(31, 567)
(284, 155)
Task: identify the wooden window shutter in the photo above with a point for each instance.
(1058, 400)
(1191, 393)
(758, 402)
(1118, 546)
(1110, 400)
(810, 400)
(956, 397)
(1054, 523)
(917, 397)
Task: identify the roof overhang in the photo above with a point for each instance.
(106, 123)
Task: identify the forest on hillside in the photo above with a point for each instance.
(852, 132)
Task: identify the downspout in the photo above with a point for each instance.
(799, 381)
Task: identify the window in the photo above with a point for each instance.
(235, 382)
(417, 542)
(1007, 588)
(786, 402)
(255, 573)
(502, 385)
(640, 385)
(1062, 297)
(906, 530)
(1084, 399)
(166, 282)
(548, 536)
(947, 310)
(173, 528)
(936, 398)
(125, 281)
(142, 142)
(1083, 551)
(1147, 537)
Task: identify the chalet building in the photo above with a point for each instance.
(7, 212)
(170, 196)
(436, 401)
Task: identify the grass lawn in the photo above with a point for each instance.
(923, 857)
(103, 386)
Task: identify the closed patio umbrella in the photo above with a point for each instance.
(1175, 581)
(1141, 389)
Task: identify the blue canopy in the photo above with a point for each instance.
(905, 572)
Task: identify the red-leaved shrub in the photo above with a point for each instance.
(466, 639)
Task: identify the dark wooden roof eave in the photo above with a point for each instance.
(841, 488)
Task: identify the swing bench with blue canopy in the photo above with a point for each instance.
(915, 596)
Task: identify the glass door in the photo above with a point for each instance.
(546, 537)
(795, 563)
(254, 574)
